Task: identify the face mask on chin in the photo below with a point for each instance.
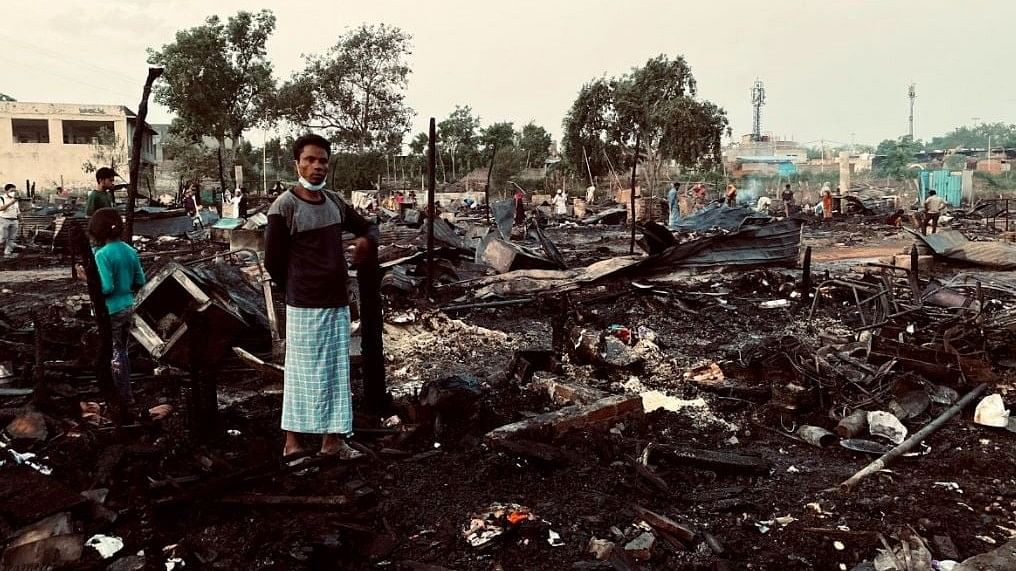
(309, 186)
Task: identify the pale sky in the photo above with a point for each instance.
(833, 69)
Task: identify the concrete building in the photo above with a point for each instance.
(48, 143)
(769, 147)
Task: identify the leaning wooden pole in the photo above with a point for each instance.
(634, 172)
(431, 211)
(486, 188)
(911, 442)
(104, 356)
(136, 143)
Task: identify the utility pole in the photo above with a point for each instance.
(912, 93)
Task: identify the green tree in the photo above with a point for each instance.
(355, 92)
(458, 137)
(190, 158)
(108, 151)
(656, 103)
(976, 136)
(218, 79)
(500, 134)
(535, 142)
(899, 155)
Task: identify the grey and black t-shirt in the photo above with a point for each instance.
(304, 251)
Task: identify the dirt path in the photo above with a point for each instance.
(23, 276)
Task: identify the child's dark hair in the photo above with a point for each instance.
(105, 225)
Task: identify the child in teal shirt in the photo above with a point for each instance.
(121, 275)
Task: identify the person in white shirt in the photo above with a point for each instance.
(933, 207)
(10, 212)
(560, 203)
(763, 204)
(590, 194)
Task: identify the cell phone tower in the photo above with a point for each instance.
(758, 99)
(912, 93)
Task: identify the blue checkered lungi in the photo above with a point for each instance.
(316, 398)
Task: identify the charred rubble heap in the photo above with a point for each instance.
(548, 401)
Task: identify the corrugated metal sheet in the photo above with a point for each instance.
(954, 245)
(944, 183)
(774, 244)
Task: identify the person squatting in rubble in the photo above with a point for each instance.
(304, 254)
(121, 276)
(731, 195)
(933, 207)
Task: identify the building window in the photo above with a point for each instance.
(85, 132)
(30, 130)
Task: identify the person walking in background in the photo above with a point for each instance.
(788, 200)
(675, 211)
(731, 195)
(102, 197)
(10, 214)
(121, 275)
(933, 207)
(560, 203)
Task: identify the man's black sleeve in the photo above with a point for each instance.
(277, 249)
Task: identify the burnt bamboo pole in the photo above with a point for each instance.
(431, 144)
(634, 172)
(136, 143)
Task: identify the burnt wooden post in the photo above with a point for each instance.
(430, 205)
(136, 143)
(41, 395)
(486, 188)
(806, 275)
(368, 278)
(203, 407)
(634, 172)
(104, 356)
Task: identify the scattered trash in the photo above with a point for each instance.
(952, 486)
(775, 304)
(991, 411)
(816, 436)
(106, 545)
(601, 549)
(554, 538)
(488, 525)
(839, 546)
(852, 425)
(641, 548)
(886, 425)
(160, 412)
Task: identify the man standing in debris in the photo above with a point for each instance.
(591, 194)
(675, 212)
(10, 211)
(827, 205)
(304, 253)
(788, 200)
(933, 207)
(102, 197)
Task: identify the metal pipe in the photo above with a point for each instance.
(911, 442)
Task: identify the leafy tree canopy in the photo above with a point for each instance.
(356, 91)
(656, 102)
(976, 136)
